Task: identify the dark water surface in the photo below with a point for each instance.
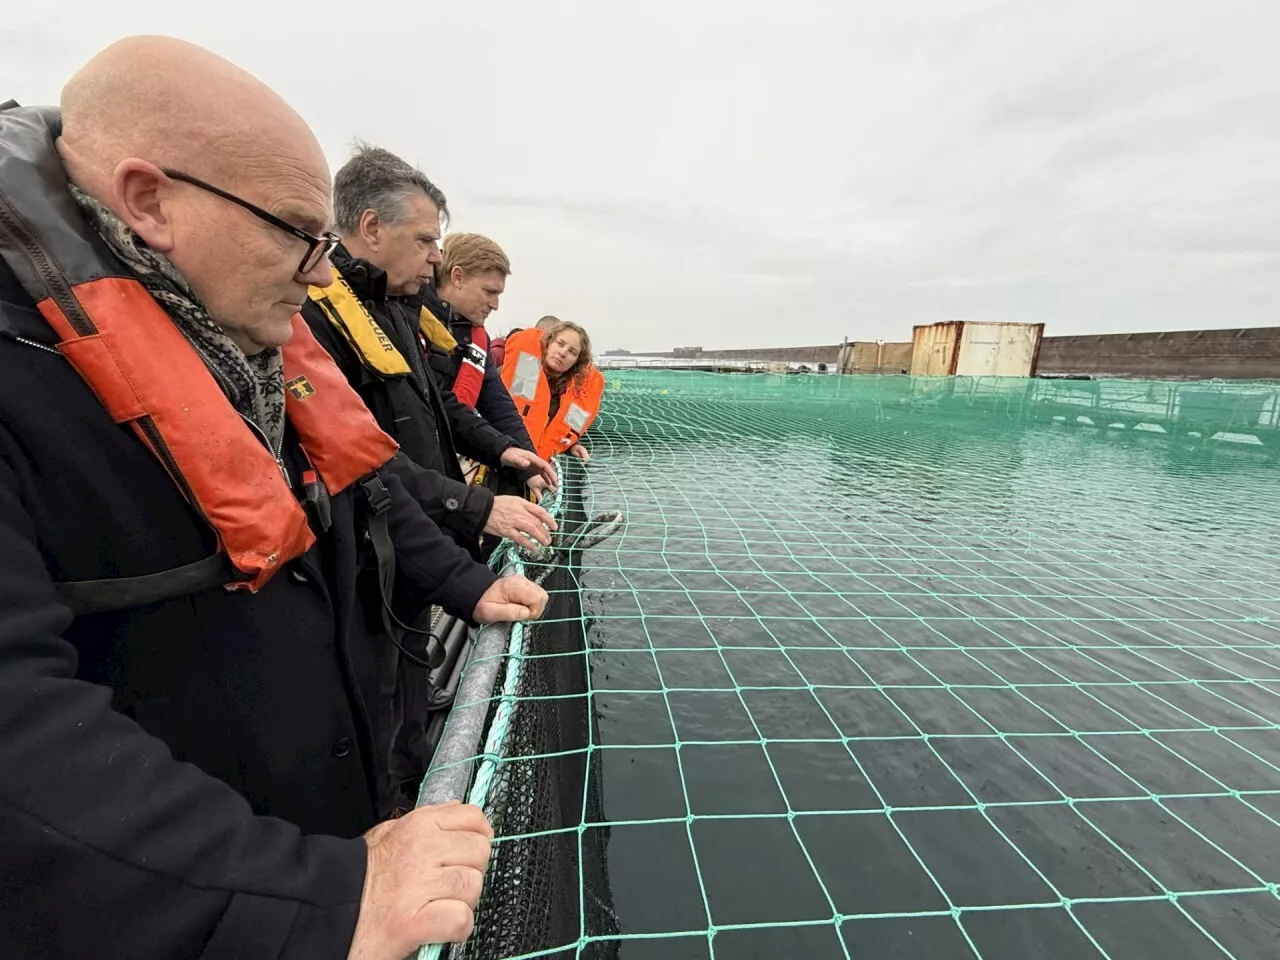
(927, 686)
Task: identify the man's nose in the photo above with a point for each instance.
(319, 276)
(433, 256)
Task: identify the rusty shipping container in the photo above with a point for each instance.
(974, 349)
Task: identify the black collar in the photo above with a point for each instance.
(445, 312)
(18, 314)
(366, 281)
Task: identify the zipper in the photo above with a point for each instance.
(156, 441)
(277, 451)
(37, 345)
(55, 284)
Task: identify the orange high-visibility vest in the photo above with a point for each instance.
(147, 375)
(526, 381)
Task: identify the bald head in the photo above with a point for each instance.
(178, 105)
(149, 104)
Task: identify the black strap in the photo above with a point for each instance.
(379, 504)
(378, 500)
(121, 593)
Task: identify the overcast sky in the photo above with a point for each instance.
(757, 174)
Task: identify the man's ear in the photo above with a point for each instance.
(456, 275)
(144, 201)
(371, 229)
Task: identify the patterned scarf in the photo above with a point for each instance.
(253, 384)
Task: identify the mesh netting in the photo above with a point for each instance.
(535, 786)
(889, 669)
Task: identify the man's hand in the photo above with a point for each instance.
(537, 484)
(523, 459)
(579, 451)
(511, 598)
(517, 519)
(423, 880)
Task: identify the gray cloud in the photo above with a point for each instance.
(729, 173)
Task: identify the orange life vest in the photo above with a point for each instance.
(146, 374)
(526, 381)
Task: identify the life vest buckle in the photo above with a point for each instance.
(376, 494)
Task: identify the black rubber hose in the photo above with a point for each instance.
(436, 727)
(451, 632)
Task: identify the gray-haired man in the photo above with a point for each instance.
(388, 215)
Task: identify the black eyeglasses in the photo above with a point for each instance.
(317, 247)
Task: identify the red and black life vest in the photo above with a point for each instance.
(470, 378)
(147, 375)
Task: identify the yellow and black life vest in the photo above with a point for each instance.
(371, 344)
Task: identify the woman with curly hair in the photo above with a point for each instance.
(554, 384)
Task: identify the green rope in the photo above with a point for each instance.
(1058, 599)
(507, 556)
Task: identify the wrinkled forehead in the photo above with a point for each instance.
(285, 179)
(305, 206)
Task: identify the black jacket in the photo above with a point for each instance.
(494, 403)
(428, 422)
(190, 778)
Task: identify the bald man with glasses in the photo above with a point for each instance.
(208, 548)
